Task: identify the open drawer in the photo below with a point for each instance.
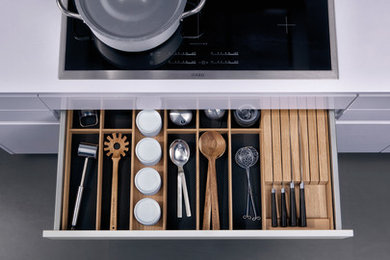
(282, 159)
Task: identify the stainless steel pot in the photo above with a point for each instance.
(131, 25)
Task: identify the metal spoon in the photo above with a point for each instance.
(246, 157)
(179, 152)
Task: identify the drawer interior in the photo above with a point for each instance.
(280, 162)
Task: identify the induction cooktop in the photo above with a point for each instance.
(269, 39)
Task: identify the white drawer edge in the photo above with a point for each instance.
(199, 234)
(335, 171)
(60, 169)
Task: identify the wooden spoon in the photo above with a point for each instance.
(212, 145)
(117, 147)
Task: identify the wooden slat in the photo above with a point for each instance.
(304, 145)
(312, 224)
(313, 146)
(181, 131)
(230, 173)
(68, 154)
(100, 173)
(295, 145)
(245, 131)
(197, 173)
(132, 174)
(329, 185)
(323, 148)
(266, 145)
(84, 131)
(276, 147)
(219, 130)
(265, 164)
(111, 131)
(285, 139)
(164, 146)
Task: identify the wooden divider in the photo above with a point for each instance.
(160, 167)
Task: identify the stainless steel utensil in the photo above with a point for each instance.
(88, 151)
(179, 152)
(246, 116)
(247, 157)
(215, 114)
(88, 118)
(180, 117)
(132, 26)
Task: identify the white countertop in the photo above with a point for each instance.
(29, 53)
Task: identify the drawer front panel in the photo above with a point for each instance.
(27, 116)
(322, 222)
(196, 101)
(21, 102)
(366, 115)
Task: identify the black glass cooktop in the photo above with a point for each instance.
(228, 39)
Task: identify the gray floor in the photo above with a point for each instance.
(27, 187)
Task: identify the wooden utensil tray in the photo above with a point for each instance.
(95, 207)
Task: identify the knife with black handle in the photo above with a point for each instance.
(302, 205)
(274, 213)
(293, 206)
(283, 209)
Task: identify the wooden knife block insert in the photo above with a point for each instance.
(95, 207)
(314, 160)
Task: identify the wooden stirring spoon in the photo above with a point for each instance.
(212, 145)
(117, 147)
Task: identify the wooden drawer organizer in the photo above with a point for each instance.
(315, 159)
(268, 136)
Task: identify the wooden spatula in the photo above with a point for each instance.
(117, 147)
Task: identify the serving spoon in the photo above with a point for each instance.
(212, 145)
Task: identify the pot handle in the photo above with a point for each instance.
(66, 12)
(195, 10)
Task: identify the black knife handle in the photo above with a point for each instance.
(283, 209)
(302, 206)
(293, 206)
(274, 213)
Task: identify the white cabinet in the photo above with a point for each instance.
(27, 116)
(21, 102)
(366, 115)
(387, 150)
(362, 136)
(365, 101)
(34, 138)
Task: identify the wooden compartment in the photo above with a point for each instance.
(95, 206)
(160, 167)
(309, 153)
(273, 136)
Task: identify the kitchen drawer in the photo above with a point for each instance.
(28, 116)
(363, 136)
(29, 137)
(320, 176)
(365, 115)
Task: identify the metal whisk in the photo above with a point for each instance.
(246, 157)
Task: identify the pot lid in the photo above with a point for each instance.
(139, 19)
